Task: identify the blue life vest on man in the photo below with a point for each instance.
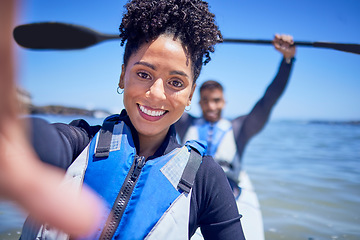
(147, 199)
(221, 144)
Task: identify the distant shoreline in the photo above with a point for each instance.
(335, 122)
(62, 110)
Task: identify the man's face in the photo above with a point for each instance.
(212, 102)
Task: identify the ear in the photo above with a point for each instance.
(191, 94)
(122, 75)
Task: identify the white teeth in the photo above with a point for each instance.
(151, 113)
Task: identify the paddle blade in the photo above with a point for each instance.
(345, 47)
(52, 35)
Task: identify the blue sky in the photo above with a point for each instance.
(325, 84)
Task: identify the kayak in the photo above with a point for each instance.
(249, 207)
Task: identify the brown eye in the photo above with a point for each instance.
(144, 75)
(176, 83)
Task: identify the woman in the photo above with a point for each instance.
(134, 162)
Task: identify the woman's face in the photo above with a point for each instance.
(158, 85)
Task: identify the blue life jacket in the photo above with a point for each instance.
(147, 199)
(221, 144)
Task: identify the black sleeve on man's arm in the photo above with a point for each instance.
(259, 115)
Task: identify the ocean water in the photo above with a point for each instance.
(306, 175)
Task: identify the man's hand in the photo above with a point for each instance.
(284, 44)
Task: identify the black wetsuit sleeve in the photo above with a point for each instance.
(59, 144)
(247, 126)
(213, 207)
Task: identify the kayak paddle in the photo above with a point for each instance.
(64, 36)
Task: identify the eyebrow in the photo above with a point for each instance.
(175, 72)
(146, 64)
(181, 73)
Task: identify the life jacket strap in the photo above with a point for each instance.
(103, 145)
(188, 176)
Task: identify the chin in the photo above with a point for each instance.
(148, 129)
(212, 119)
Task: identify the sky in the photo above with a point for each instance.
(324, 84)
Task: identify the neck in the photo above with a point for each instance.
(149, 144)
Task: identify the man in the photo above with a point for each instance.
(227, 139)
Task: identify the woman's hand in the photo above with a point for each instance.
(24, 179)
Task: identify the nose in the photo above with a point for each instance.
(211, 105)
(157, 90)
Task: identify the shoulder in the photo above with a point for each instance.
(83, 125)
(208, 165)
(210, 176)
(65, 141)
(78, 134)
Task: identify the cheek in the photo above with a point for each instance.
(132, 87)
(202, 105)
(181, 99)
(127, 82)
(222, 105)
(129, 78)
(219, 107)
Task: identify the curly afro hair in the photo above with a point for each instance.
(190, 21)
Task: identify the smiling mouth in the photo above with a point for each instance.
(212, 113)
(152, 113)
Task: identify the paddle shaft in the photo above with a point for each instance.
(345, 47)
